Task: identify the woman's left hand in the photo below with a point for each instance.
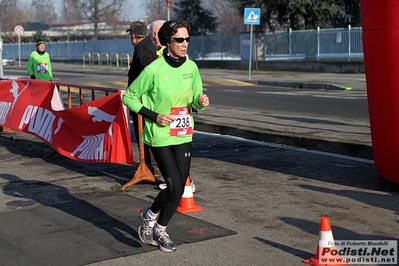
(203, 100)
(165, 119)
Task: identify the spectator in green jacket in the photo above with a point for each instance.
(39, 65)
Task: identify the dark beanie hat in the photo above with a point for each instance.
(39, 42)
(165, 32)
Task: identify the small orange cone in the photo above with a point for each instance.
(6, 129)
(187, 203)
(325, 240)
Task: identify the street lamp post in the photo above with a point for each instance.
(168, 6)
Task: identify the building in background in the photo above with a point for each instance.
(75, 31)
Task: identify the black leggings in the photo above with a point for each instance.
(174, 163)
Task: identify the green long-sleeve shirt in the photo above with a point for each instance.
(162, 87)
(39, 65)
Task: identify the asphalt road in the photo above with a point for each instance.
(288, 101)
(229, 93)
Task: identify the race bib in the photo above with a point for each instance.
(182, 125)
(42, 67)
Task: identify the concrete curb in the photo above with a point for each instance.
(302, 85)
(359, 150)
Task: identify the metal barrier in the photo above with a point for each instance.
(109, 60)
(78, 89)
(116, 59)
(106, 59)
(84, 59)
(98, 58)
(127, 60)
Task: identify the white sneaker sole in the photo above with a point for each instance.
(165, 249)
(163, 186)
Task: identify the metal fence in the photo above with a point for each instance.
(334, 44)
(320, 44)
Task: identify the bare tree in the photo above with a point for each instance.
(44, 11)
(4, 5)
(96, 11)
(157, 9)
(71, 12)
(229, 21)
(12, 15)
(5, 14)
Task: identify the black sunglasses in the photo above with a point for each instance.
(180, 40)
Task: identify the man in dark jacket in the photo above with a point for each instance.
(144, 53)
(144, 50)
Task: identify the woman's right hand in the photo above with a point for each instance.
(165, 119)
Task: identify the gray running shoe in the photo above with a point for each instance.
(164, 242)
(145, 228)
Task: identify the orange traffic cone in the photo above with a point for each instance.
(325, 241)
(187, 203)
(6, 129)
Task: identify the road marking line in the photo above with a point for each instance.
(120, 83)
(233, 90)
(227, 82)
(245, 83)
(94, 84)
(217, 82)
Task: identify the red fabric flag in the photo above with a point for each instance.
(93, 132)
(169, 3)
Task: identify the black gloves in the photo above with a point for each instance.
(32, 77)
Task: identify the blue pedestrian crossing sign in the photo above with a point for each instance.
(252, 16)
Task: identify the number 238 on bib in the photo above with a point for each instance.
(182, 125)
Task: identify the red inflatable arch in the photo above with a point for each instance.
(380, 21)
